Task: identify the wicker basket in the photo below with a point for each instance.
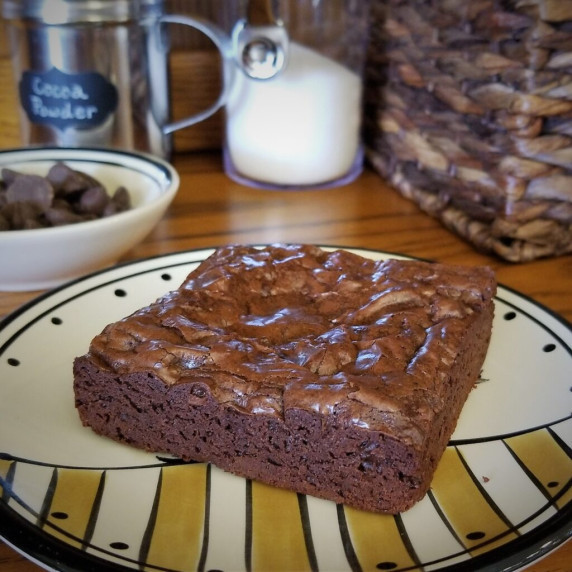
(469, 114)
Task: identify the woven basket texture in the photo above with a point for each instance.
(468, 112)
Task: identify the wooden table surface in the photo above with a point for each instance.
(212, 210)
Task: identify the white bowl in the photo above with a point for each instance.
(46, 257)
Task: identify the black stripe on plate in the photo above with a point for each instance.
(248, 527)
(561, 443)
(533, 478)
(347, 541)
(307, 531)
(7, 482)
(492, 504)
(205, 546)
(148, 534)
(406, 540)
(92, 521)
(48, 498)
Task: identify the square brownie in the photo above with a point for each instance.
(322, 372)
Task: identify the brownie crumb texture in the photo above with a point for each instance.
(322, 372)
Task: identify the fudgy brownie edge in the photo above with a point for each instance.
(383, 465)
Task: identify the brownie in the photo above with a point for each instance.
(326, 373)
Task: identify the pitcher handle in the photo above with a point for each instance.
(224, 45)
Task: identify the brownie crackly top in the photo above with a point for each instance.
(294, 326)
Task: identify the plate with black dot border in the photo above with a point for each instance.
(71, 500)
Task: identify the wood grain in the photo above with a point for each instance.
(9, 118)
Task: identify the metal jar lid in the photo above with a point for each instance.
(74, 11)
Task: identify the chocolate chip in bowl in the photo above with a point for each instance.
(63, 196)
(68, 212)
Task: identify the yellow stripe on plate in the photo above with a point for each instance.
(277, 534)
(549, 464)
(466, 509)
(177, 536)
(4, 469)
(376, 541)
(72, 504)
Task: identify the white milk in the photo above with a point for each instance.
(301, 127)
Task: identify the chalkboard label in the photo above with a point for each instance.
(79, 100)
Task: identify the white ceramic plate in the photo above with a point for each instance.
(47, 257)
(501, 497)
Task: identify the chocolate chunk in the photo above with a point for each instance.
(32, 189)
(4, 224)
(121, 198)
(120, 201)
(32, 223)
(66, 180)
(64, 196)
(8, 176)
(17, 213)
(62, 204)
(60, 217)
(93, 201)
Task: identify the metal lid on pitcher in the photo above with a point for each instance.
(73, 11)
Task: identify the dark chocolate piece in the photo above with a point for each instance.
(31, 189)
(64, 196)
